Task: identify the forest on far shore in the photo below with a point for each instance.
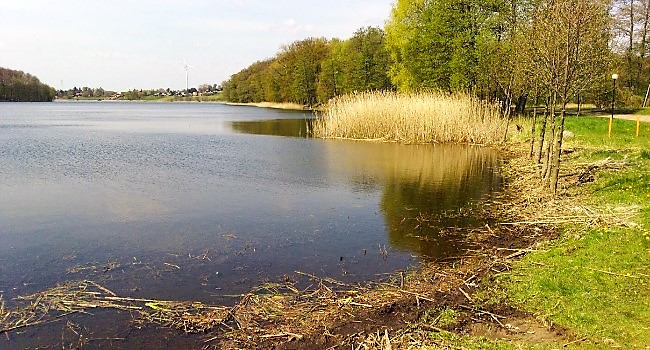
(18, 86)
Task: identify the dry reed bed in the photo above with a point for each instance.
(424, 117)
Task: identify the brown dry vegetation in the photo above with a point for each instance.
(425, 117)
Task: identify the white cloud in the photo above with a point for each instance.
(292, 26)
(229, 25)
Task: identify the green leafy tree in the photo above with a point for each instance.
(330, 79)
(365, 61)
(304, 58)
(439, 43)
(19, 86)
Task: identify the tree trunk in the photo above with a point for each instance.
(630, 48)
(521, 104)
(557, 152)
(532, 131)
(644, 32)
(631, 41)
(546, 168)
(542, 134)
(507, 113)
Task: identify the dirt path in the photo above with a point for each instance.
(642, 118)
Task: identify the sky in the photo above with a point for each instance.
(121, 45)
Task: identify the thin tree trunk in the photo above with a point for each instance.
(542, 134)
(532, 131)
(546, 168)
(571, 52)
(555, 174)
(631, 41)
(507, 115)
(644, 31)
(630, 49)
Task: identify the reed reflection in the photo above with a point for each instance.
(421, 189)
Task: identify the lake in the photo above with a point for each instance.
(193, 201)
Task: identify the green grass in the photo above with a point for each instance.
(441, 318)
(596, 281)
(643, 111)
(448, 340)
(592, 132)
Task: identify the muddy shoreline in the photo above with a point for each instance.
(304, 311)
(401, 310)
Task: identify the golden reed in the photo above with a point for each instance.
(423, 117)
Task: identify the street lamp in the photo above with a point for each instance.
(611, 119)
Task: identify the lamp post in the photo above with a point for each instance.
(611, 119)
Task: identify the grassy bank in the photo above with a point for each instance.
(595, 279)
(411, 118)
(588, 287)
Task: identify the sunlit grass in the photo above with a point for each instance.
(592, 132)
(643, 111)
(448, 340)
(595, 280)
(425, 117)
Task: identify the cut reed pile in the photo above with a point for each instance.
(424, 117)
(80, 296)
(536, 207)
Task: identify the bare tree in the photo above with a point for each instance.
(643, 45)
(570, 40)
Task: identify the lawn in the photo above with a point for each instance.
(595, 281)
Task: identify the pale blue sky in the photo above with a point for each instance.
(120, 45)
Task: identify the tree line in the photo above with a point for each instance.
(485, 47)
(135, 94)
(313, 70)
(18, 86)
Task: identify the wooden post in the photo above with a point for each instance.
(611, 119)
(637, 126)
(609, 131)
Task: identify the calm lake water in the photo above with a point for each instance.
(201, 201)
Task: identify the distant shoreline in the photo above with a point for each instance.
(273, 105)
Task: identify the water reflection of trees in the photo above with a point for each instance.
(424, 217)
(276, 127)
(431, 181)
(416, 181)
